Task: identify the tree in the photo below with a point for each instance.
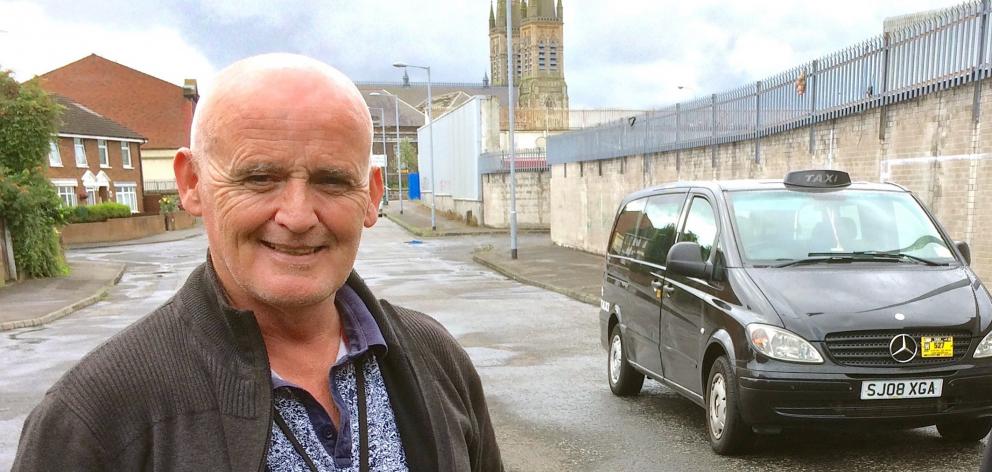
(408, 156)
(28, 202)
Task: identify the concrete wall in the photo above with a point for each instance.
(533, 199)
(929, 144)
(114, 229)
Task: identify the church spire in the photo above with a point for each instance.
(492, 18)
(500, 15)
(559, 11)
(523, 10)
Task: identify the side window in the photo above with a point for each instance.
(624, 239)
(657, 231)
(700, 226)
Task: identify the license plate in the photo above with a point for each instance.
(894, 389)
(942, 346)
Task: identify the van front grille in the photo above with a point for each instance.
(871, 348)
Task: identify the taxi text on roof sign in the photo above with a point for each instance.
(818, 178)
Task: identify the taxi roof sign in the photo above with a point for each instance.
(818, 178)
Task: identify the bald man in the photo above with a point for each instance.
(274, 355)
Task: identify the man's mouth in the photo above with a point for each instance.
(293, 250)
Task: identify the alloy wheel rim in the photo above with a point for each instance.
(615, 360)
(718, 405)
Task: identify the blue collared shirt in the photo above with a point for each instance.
(333, 448)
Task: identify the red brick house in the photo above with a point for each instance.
(158, 110)
(93, 159)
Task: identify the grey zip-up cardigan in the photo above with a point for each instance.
(188, 388)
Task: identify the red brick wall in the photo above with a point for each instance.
(115, 172)
(114, 229)
(152, 107)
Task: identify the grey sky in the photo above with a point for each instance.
(621, 54)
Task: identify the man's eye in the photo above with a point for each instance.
(260, 179)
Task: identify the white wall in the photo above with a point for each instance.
(457, 145)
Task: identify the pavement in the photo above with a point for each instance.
(416, 218)
(35, 302)
(576, 274)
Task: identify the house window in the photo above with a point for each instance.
(54, 158)
(127, 193)
(101, 144)
(91, 196)
(67, 194)
(126, 154)
(66, 190)
(77, 143)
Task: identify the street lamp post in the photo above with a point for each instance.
(396, 147)
(385, 166)
(510, 71)
(430, 134)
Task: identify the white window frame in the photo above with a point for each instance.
(54, 155)
(101, 145)
(125, 189)
(80, 149)
(126, 155)
(66, 190)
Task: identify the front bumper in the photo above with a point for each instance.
(779, 399)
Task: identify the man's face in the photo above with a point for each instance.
(285, 195)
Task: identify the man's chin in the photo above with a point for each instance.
(287, 294)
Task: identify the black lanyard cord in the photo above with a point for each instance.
(363, 424)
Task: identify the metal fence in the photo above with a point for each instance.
(159, 186)
(558, 119)
(527, 160)
(948, 49)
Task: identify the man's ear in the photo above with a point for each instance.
(187, 181)
(375, 191)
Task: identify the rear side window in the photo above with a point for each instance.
(624, 238)
(657, 229)
(700, 226)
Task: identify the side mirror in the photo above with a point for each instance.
(965, 251)
(686, 258)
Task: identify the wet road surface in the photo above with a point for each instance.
(538, 354)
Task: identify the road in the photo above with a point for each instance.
(537, 352)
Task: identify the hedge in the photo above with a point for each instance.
(98, 212)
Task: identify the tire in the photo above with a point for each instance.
(728, 433)
(624, 380)
(972, 430)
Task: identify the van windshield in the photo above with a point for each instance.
(779, 226)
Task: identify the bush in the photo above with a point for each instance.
(28, 202)
(98, 212)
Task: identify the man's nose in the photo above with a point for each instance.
(296, 210)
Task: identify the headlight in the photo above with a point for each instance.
(984, 348)
(780, 344)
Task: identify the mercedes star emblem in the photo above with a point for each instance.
(903, 348)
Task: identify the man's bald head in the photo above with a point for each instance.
(272, 81)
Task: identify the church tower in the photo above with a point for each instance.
(538, 47)
(497, 41)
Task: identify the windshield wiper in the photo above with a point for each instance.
(879, 255)
(817, 257)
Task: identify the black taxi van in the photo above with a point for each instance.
(809, 301)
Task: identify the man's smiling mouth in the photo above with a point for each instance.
(293, 250)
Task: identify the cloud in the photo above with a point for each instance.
(632, 54)
(36, 43)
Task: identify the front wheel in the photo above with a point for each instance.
(728, 432)
(972, 430)
(624, 380)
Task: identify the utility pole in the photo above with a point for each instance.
(510, 72)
